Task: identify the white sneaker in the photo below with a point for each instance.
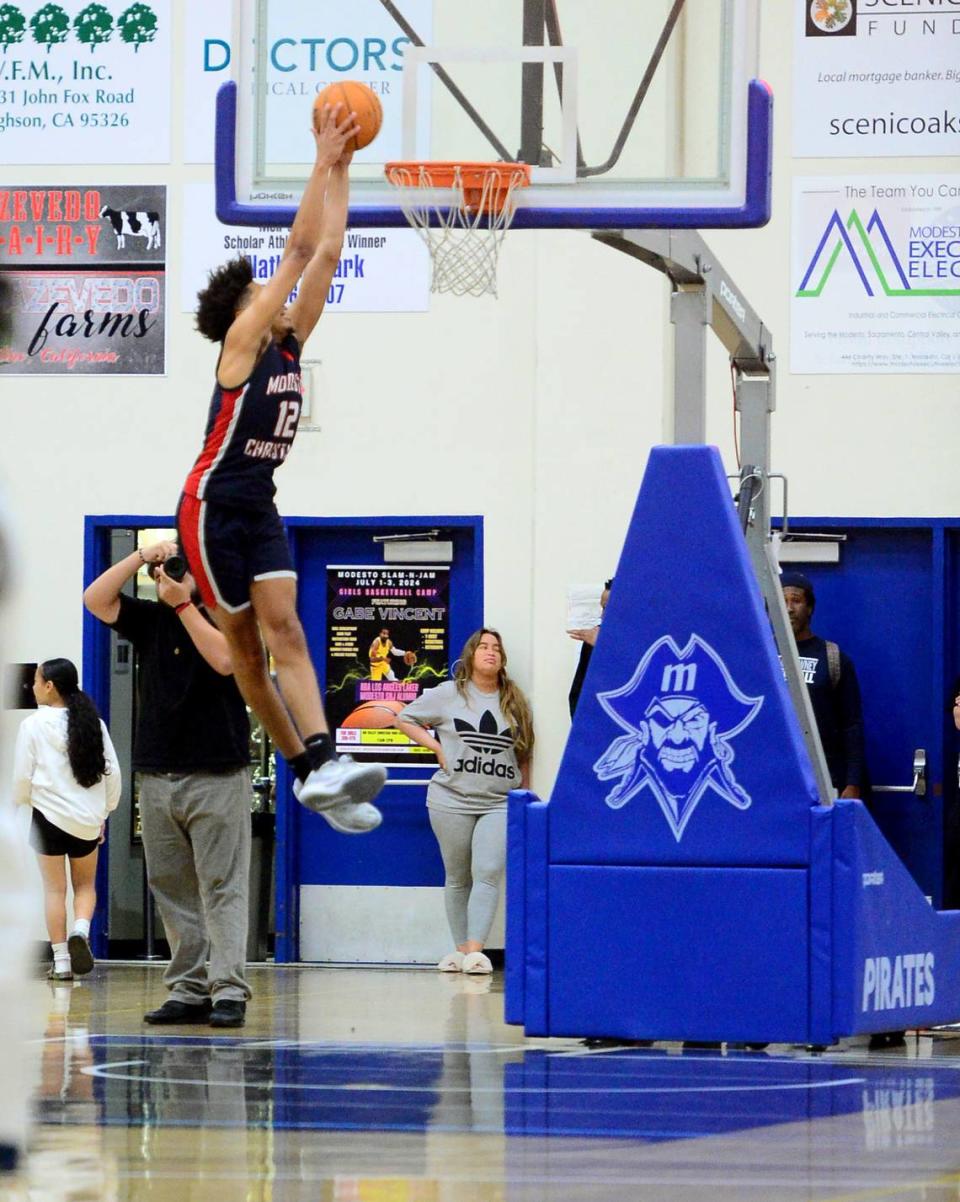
(476, 962)
(341, 790)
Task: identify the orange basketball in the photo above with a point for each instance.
(356, 98)
(373, 715)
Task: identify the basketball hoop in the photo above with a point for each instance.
(461, 211)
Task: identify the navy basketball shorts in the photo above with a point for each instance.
(227, 549)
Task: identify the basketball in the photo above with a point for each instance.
(410, 657)
(356, 98)
(373, 715)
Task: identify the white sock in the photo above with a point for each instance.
(61, 957)
(81, 927)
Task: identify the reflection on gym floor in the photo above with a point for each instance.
(399, 1085)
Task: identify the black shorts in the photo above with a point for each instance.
(227, 549)
(50, 840)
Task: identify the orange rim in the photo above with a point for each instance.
(486, 184)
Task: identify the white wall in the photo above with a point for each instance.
(535, 410)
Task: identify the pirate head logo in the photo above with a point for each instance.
(680, 710)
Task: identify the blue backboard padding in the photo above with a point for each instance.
(685, 575)
(679, 953)
(754, 211)
(516, 920)
(896, 959)
(536, 903)
(821, 925)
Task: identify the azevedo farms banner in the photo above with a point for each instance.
(876, 274)
(387, 641)
(876, 78)
(85, 82)
(88, 282)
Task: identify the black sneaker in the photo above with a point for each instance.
(180, 1012)
(228, 1012)
(81, 957)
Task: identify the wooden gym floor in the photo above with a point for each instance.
(403, 1085)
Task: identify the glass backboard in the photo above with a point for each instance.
(631, 113)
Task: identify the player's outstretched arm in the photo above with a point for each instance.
(244, 339)
(306, 309)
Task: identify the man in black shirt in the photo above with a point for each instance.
(191, 750)
(834, 691)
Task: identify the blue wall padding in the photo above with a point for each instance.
(684, 572)
(679, 953)
(896, 959)
(515, 965)
(537, 900)
(821, 925)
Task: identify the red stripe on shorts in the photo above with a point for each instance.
(188, 520)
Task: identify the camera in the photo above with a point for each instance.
(175, 566)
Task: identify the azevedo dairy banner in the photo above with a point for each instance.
(876, 78)
(86, 269)
(85, 82)
(875, 283)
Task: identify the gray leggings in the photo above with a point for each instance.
(474, 851)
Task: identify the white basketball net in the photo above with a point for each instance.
(463, 237)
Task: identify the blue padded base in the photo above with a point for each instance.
(679, 953)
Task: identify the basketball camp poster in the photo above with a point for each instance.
(387, 641)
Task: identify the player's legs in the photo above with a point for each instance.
(275, 605)
(253, 679)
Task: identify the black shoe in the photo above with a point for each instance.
(228, 1012)
(180, 1012)
(887, 1039)
(81, 957)
(699, 1045)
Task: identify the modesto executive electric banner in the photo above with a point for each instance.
(876, 78)
(875, 284)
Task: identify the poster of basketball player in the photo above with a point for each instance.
(387, 641)
(86, 272)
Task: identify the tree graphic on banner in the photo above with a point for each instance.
(138, 24)
(50, 25)
(94, 25)
(12, 26)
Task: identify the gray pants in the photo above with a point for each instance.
(196, 836)
(474, 852)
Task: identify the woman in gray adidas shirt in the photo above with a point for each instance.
(483, 739)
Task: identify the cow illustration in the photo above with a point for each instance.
(135, 224)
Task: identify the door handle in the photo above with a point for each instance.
(919, 786)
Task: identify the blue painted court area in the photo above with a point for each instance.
(636, 1093)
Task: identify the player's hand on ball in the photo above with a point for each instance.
(410, 657)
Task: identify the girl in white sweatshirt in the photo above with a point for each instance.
(66, 768)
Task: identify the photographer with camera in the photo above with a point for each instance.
(191, 750)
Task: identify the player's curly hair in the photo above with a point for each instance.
(217, 303)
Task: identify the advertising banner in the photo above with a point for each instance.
(309, 44)
(380, 271)
(85, 82)
(876, 274)
(876, 78)
(387, 641)
(87, 275)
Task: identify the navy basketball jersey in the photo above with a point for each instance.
(249, 431)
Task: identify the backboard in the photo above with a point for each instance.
(632, 113)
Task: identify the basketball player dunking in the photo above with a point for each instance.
(229, 528)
